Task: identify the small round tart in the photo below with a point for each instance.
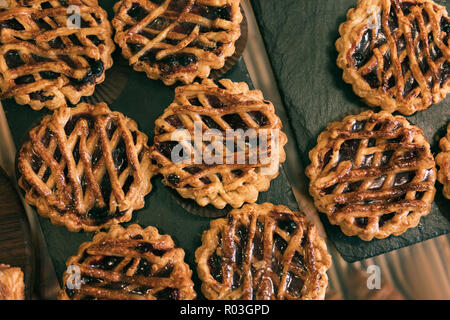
(443, 161)
(396, 53)
(85, 167)
(177, 40)
(219, 144)
(263, 252)
(128, 264)
(372, 174)
(53, 52)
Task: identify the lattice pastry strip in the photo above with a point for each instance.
(177, 39)
(86, 167)
(229, 174)
(373, 175)
(443, 161)
(44, 61)
(396, 54)
(128, 264)
(263, 252)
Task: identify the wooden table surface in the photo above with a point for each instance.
(16, 247)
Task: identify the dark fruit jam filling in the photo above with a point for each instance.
(137, 12)
(348, 150)
(168, 294)
(96, 69)
(362, 51)
(11, 24)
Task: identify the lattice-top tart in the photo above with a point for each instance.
(85, 167)
(206, 128)
(46, 59)
(443, 161)
(396, 53)
(128, 264)
(263, 252)
(372, 174)
(177, 40)
(12, 286)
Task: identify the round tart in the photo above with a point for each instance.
(372, 174)
(263, 252)
(443, 161)
(128, 264)
(218, 144)
(396, 54)
(47, 60)
(85, 167)
(177, 40)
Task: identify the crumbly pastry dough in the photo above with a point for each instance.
(404, 64)
(177, 40)
(128, 264)
(46, 63)
(263, 252)
(373, 174)
(12, 286)
(443, 161)
(86, 167)
(227, 106)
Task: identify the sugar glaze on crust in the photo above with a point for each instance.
(45, 62)
(263, 252)
(177, 40)
(129, 264)
(372, 174)
(85, 167)
(402, 63)
(220, 107)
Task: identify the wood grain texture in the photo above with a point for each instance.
(15, 238)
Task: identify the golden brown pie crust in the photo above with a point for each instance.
(372, 174)
(129, 264)
(402, 65)
(228, 107)
(12, 286)
(45, 63)
(177, 40)
(85, 167)
(263, 252)
(443, 161)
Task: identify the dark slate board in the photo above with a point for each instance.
(299, 37)
(143, 100)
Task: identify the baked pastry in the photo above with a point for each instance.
(45, 60)
(443, 161)
(85, 167)
(396, 54)
(263, 252)
(128, 264)
(177, 40)
(218, 163)
(372, 174)
(12, 286)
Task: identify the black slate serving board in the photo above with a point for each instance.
(143, 100)
(299, 36)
